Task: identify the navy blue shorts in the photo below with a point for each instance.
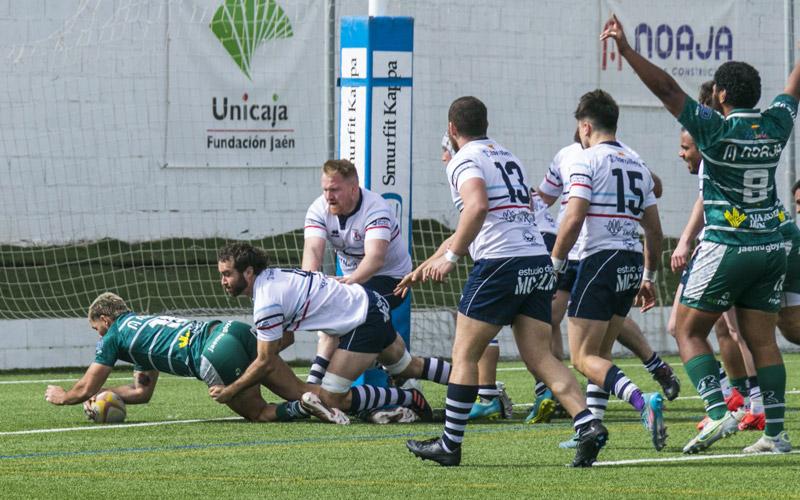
(385, 285)
(549, 241)
(376, 333)
(497, 290)
(566, 280)
(606, 285)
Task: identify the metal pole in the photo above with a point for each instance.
(330, 79)
(791, 171)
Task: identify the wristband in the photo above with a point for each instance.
(649, 276)
(559, 265)
(451, 256)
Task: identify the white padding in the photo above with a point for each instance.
(790, 299)
(335, 384)
(400, 366)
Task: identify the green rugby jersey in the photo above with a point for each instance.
(740, 155)
(163, 343)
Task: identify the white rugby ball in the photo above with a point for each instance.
(106, 408)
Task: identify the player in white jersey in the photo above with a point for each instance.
(362, 229)
(292, 299)
(554, 185)
(493, 400)
(610, 196)
(511, 282)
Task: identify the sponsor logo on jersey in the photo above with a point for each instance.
(183, 340)
(734, 218)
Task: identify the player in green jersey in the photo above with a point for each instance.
(742, 261)
(214, 351)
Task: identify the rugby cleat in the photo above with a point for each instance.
(735, 403)
(767, 444)
(751, 422)
(590, 441)
(396, 414)
(735, 400)
(491, 409)
(570, 443)
(713, 431)
(670, 384)
(420, 406)
(313, 405)
(505, 401)
(653, 419)
(543, 409)
(433, 449)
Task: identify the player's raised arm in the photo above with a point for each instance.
(793, 83)
(657, 80)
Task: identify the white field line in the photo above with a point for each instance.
(687, 458)
(117, 426)
(616, 401)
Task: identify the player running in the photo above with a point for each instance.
(610, 196)
(511, 283)
(742, 261)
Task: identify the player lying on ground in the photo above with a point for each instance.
(742, 261)
(213, 351)
(285, 300)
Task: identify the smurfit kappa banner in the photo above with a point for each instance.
(245, 84)
(686, 38)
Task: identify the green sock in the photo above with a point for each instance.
(703, 371)
(772, 380)
(282, 413)
(740, 384)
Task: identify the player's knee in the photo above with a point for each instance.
(400, 366)
(334, 390)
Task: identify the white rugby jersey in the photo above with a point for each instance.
(373, 218)
(556, 183)
(509, 229)
(619, 187)
(544, 221)
(700, 182)
(291, 299)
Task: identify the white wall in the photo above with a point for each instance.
(82, 97)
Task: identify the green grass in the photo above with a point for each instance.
(233, 459)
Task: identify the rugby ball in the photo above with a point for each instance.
(106, 408)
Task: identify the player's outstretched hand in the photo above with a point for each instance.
(409, 280)
(218, 394)
(646, 298)
(613, 29)
(438, 269)
(54, 394)
(679, 257)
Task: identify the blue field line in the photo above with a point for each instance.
(270, 442)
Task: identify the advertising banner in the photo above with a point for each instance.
(245, 84)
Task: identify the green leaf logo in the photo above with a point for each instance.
(243, 25)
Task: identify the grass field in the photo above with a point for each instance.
(188, 446)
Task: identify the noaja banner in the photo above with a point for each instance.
(245, 84)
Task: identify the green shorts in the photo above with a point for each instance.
(228, 351)
(723, 276)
